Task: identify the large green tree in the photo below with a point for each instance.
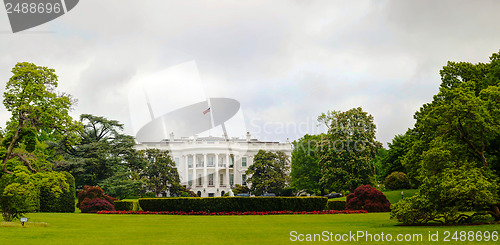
(103, 152)
(37, 110)
(393, 157)
(306, 172)
(160, 173)
(349, 149)
(459, 129)
(39, 115)
(269, 172)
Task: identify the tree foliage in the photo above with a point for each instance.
(348, 151)
(306, 172)
(102, 153)
(392, 161)
(396, 181)
(37, 110)
(160, 173)
(458, 130)
(39, 115)
(269, 172)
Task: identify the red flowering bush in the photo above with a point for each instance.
(96, 204)
(368, 198)
(92, 199)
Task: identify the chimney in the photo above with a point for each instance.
(172, 136)
(248, 136)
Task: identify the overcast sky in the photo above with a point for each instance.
(284, 61)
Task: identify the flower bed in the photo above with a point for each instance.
(234, 212)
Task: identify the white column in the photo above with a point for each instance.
(186, 169)
(216, 174)
(227, 170)
(195, 182)
(205, 176)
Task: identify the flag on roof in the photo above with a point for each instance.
(206, 111)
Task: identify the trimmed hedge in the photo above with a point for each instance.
(335, 205)
(238, 204)
(127, 206)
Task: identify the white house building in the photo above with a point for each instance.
(211, 166)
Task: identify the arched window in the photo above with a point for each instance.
(222, 193)
(198, 193)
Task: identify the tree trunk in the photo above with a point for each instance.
(11, 147)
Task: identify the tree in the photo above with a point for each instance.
(102, 153)
(160, 172)
(269, 172)
(348, 151)
(36, 108)
(306, 172)
(456, 147)
(39, 114)
(398, 148)
(396, 181)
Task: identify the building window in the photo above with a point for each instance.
(221, 162)
(199, 161)
(244, 162)
(211, 194)
(231, 163)
(222, 193)
(199, 179)
(221, 179)
(211, 161)
(211, 179)
(231, 179)
(190, 180)
(190, 161)
(244, 179)
(198, 193)
(177, 162)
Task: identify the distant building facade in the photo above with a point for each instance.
(211, 166)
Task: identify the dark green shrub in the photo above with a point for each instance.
(241, 189)
(63, 203)
(336, 205)
(396, 181)
(124, 205)
(228, 204)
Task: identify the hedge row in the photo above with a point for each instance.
(127, 206)
(238, 204)
(335, 205)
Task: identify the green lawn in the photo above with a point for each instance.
(392, 196)
(81, 228)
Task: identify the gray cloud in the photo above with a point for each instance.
(285, 61)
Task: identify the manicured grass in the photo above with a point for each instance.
(392, 196)
(81, 228)
(395, 196)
